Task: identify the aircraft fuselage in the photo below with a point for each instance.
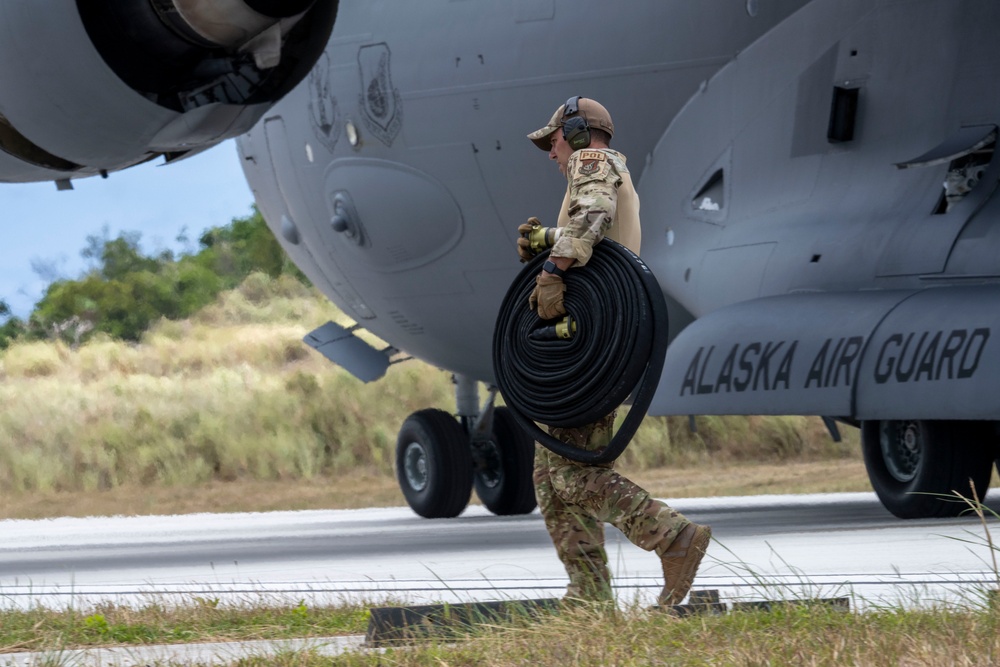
(442, 174)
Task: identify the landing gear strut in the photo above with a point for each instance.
(917, 466)
(439, 458)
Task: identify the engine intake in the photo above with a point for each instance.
(94, 86)
(187, 53)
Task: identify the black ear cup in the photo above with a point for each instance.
(576, 130)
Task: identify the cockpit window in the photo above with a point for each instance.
(711, 196)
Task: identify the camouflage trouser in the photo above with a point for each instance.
(575, 498)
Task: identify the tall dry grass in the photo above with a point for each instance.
(792, 637)
(233, 393)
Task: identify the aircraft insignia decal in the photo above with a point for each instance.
(324, 112)
(379, 101)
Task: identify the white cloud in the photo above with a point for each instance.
(708, 205)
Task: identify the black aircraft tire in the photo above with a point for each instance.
(504, 484)
(434, 464)
(916, 466)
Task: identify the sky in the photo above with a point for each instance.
(42, 226)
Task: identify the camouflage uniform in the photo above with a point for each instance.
(600, 201)
(575, 498)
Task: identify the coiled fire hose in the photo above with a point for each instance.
(617, 348)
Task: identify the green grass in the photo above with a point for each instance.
(202, 620)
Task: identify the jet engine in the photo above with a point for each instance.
(92, 86)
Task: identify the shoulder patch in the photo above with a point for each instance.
(589, 165)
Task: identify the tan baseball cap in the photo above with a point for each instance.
(594, 113)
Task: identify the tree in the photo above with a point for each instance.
(242, 247)
(11, 328)
(120, 256)
(126, 290)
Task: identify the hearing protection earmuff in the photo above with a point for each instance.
(576, 130)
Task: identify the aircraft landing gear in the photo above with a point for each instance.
(915, 466)
(502, 467)
(439, 458)
(433, 464)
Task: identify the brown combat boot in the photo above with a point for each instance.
(680, 562)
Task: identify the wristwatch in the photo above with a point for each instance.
(551, 267)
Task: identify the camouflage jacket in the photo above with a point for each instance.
(600, 201)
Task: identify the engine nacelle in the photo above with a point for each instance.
(92, 86)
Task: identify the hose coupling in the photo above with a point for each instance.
(561, 330)
(541, 238)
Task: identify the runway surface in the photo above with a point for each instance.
(766, 547)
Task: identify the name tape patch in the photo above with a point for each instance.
(586, 156)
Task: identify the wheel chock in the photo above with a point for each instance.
(707, 602)
(836, 604)
(398, 624)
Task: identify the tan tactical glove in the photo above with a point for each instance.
(547, 297)
(532, 238)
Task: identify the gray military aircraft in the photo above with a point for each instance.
(817, 184)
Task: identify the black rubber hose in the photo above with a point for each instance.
(618, 348)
